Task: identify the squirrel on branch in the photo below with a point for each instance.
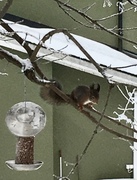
(81, 95)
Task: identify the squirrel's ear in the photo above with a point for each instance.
(92, 86)
(95, 87)
(98, 87)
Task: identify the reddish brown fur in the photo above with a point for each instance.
(86, 95)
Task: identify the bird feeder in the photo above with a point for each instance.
(25, 120)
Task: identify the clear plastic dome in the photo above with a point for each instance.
(25, 119)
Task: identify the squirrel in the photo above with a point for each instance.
(81, 95)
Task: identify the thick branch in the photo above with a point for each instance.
(133, 2)
(25, 65)
(23, 43)
(5, 8)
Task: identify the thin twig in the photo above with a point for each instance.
(93, 21)
(113, 15)
(112, 120)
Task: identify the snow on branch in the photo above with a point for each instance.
(107, 3)
(3, 74)
(26, 66)
(129, 96)
(5, 8)
(133, 2)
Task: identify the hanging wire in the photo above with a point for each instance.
(25, 92)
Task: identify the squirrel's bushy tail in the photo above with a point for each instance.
(50, 96)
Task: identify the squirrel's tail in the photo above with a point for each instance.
(50, 96)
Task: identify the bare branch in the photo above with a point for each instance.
(86, 113)
(123, 67)
(113, 15)
(87, 8)
(17, 37)
(133, 2)
(5, 8)
(112, 120)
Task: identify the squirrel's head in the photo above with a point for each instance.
(94, 93)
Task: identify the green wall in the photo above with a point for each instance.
(107, 156)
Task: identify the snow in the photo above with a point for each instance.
(26, 63)
(3, 74)
(59, 42)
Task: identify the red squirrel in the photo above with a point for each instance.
(82, 95)
(86, 95)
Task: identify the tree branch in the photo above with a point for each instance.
(25, 65)
(5, 8)
(112, 120)
(23, 43)
(130, 138)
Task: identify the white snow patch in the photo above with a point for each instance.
(3, 74)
